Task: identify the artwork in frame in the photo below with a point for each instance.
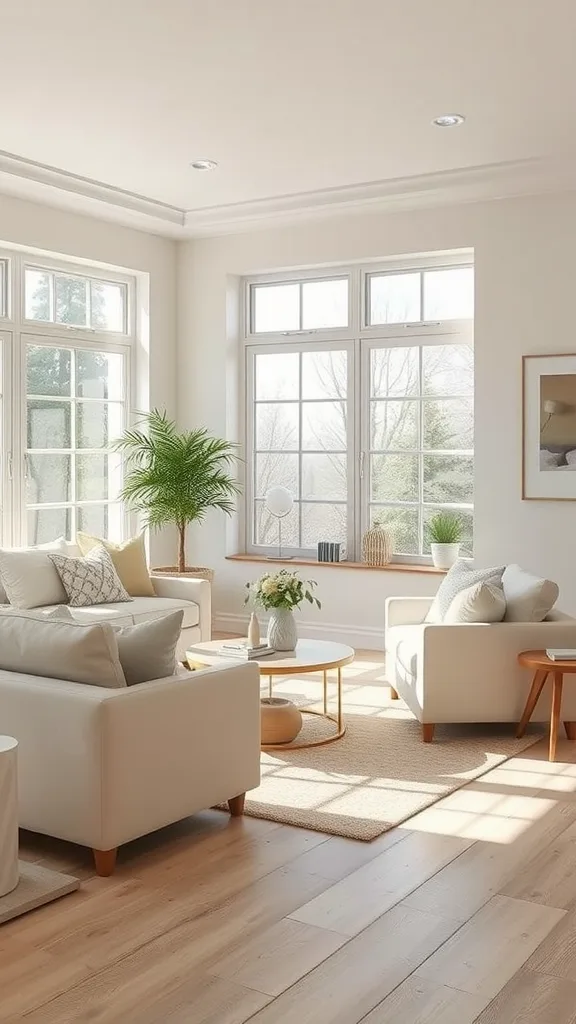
(549, 428)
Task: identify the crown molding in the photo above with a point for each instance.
(53, 186)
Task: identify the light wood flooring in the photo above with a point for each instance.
(467, 914)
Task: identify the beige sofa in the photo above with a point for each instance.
(101, 766)
(468, 672)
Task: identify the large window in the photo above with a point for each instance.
(66, 359)
(359, 422)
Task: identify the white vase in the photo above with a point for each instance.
(253, 631)
(444, 555)
(282, 635)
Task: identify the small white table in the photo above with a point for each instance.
(309, 656)
(8, 815)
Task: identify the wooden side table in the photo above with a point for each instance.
(543, 666)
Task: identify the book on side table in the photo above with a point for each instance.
(561, 653)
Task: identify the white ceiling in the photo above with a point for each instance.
(301, 96)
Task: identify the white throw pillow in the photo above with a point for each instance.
(148, 649)
(90, 580)
(482, 602)
(41, 645)
(460, 577)
(528, 598)
(29, 577)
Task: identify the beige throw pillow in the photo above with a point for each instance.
(29, 577)
(148, 649)
(482, 602)
(38, 645)
(528, 598)
(129, 561)
(461, 576)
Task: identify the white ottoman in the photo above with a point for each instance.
(8, 815)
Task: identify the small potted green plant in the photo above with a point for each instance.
(445, 535)
(279, 593)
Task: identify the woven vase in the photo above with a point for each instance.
(376, 545)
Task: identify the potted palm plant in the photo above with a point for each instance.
(173, 477)
(445, 535)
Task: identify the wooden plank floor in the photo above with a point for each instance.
(466, 914)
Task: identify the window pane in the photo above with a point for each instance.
(70, 299)
(466, 544)
(276, 307)
(324, 304)
(107, 303)
(276, 426)
(394, 298)
(394, 425)
(403, 525)
(46, 524)
(277, 375)
(49, 424)
(276, 470)
(323, 522)
(448, 369)
(99, 374)
(394, 372)
(48, 370)
(324, 476)
(324, 374)
(37, 295)
(97, 424)
(49, 479)
(100, 520)
(98, 477)
(449, 478)
(448, 424)
(266, 527)
(449, 294)
(394, 477)
(324, 426)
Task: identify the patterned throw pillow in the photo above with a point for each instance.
(460, 577)
(90, 580)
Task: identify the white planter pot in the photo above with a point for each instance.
(444, 555)
(282, 635)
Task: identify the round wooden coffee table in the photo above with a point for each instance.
(309, 656)
(543, 666)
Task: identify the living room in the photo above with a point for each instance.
(334, 242)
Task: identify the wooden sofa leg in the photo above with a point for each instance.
(428, 732)
(236, 805)
(105, 861)
(570, 730)
(393, 693)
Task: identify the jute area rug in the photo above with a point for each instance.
(380, 773)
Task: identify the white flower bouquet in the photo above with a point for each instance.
(281, 590)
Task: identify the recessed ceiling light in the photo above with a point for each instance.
(204, 165)
(449, 120)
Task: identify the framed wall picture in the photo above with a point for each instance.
(549, 428)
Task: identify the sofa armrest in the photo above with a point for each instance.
(186, 589)
(406, 611)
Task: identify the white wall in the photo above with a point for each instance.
(30, 224)
(525, 259)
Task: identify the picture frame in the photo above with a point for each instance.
(549, 427)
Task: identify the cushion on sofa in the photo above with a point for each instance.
(129, 561)
(460, 577)
(29, 578)
(528, 598)
(482, 602)
(34, 644)
(148, 650)
(90, 580)
(140, 609)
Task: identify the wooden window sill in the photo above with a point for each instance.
(391, 567)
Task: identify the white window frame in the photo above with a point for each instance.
(16, 332)
(358, 339)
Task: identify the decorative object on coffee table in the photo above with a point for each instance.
(543, 666)
(279, 593)
(253, 631)
(279, 503)
(377, 545)
(309, 656)
(445, 534)
(281, 720)
(173, 478)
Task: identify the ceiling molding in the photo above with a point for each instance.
(53, 186)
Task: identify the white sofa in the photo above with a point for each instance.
(468, 672)
(101, 766)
